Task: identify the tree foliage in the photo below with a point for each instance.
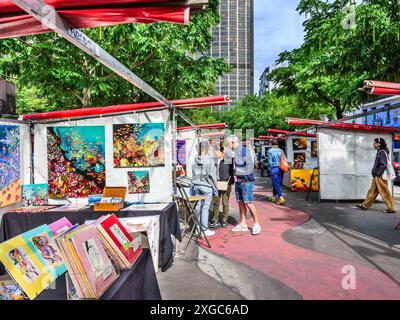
(165, 55)
(344, 44)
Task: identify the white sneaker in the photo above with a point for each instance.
(209, 233)
(240, 228)
(256, 229)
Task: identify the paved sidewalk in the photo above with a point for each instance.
(295, 256)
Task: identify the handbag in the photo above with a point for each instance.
(388, 174)
(222, 185)
(283, 165)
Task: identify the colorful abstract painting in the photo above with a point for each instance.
(35, 195)
(138, 145)
(138, 182)
(314, 149)
(299, 157)
(300, 144)
(10, 176)
(76, 161)
(181, 154)
(300, 180)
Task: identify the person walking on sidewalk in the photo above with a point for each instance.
(204, 183)
(379, 186)
(244, 184)
(224, 186)
(274, 159)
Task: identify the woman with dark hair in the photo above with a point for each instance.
(379, 186)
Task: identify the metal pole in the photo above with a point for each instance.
(48, 16)
(174, 156)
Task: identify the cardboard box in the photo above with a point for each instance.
(113, 192)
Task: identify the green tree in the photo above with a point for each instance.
(164, 55)
(344, 44)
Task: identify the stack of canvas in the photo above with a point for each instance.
(89, 267)
(32, 260)
(117, 241)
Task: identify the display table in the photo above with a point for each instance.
(13, 224)
(137, 283)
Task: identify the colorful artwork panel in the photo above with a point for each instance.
(299, 157)
(10, 165)
(76, 161)
(35, 195)
(138, 145)
(300, 180)
(314, 149)
(138, 182)
(300, 144)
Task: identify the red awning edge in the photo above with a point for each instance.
(98, 111)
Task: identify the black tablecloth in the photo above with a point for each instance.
(137, 283)
(13, 224)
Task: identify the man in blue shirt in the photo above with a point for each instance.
(274, 159)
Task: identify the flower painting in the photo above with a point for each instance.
(76, 161)
(138, 182)
(10, 177)
(138, 145)
(35, 195)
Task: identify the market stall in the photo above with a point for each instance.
(302, 156)
(188, 139)
(346, 157)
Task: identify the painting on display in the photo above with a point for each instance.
(300, 180)
(35, 195)
(181, 154)
(76, 161)
(138, 145)
(139, 182)
(314, 149)
(299, 157)
(10, 165)
(300, 144)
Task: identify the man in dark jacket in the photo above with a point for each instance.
(379, 186)
(224, 174)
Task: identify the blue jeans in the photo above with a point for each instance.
(202, 208)
(276, 176)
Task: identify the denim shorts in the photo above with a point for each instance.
(244, 191)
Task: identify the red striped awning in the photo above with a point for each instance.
(15, 22)
(98, 111)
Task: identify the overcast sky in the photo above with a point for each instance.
(277, 27)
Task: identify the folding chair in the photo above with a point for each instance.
(190, 203)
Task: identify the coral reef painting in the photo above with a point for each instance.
(76, 161)
(35, 195)
(10, 166)
(138, 145)
(138, 182)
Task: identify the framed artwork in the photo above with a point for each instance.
(299, 157)
(138, 182)
(10, 165)
(76, 161)
(300, 144)
(314, 149)
(35, 195)
(138, 145)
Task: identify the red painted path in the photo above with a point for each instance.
(313, 275)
